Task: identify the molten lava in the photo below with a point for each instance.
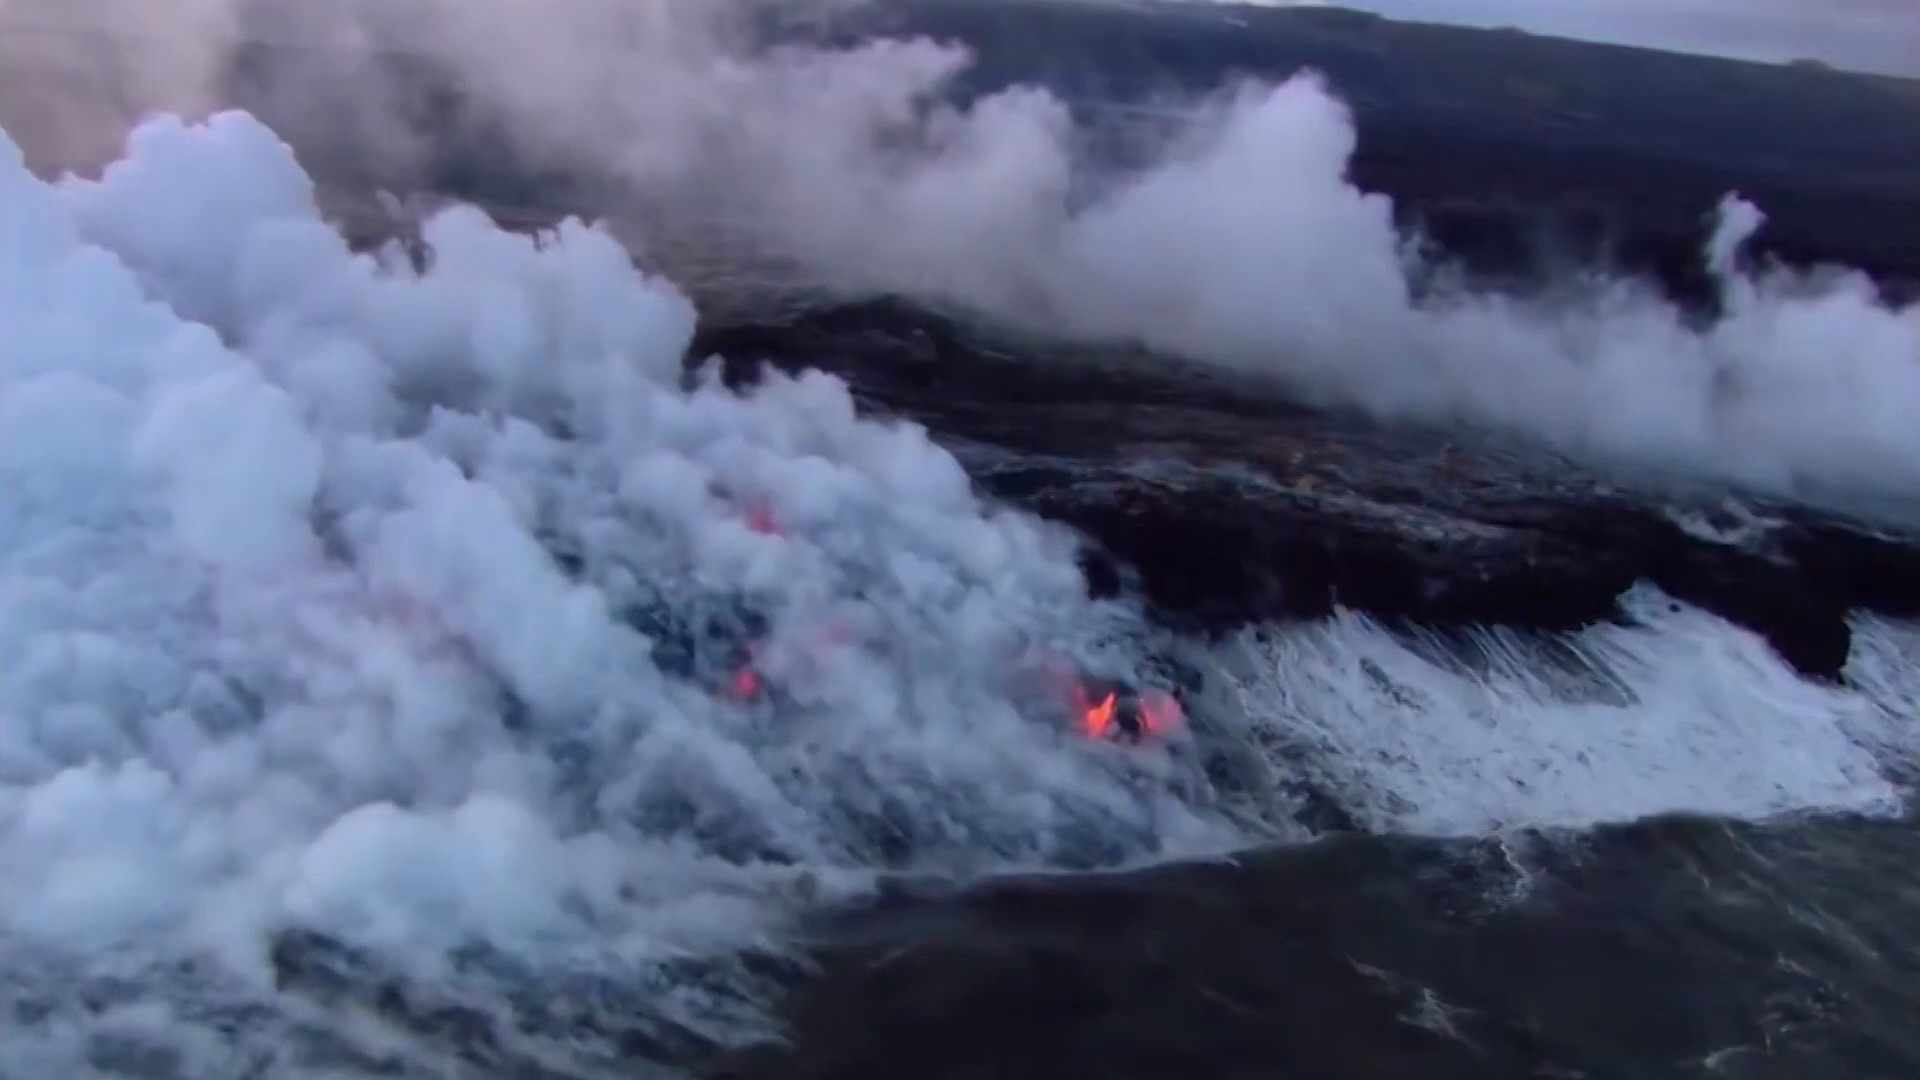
(1096, 719)
(1160, 712)
(744, 685)
(1153, 713)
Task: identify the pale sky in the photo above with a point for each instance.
(1870, 35)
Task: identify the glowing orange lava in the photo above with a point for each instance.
(1097, 718)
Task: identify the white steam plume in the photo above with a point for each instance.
(75, 76)
(1253, 251)
(285, 640)
(1244, 244)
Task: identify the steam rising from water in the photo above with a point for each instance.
(323, 587)
(299, 509)
(336, 596)
(1242, 243)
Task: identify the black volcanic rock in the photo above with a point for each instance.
(1223, 504)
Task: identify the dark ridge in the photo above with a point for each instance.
(1507, 147)
(1515, 154)
(1225, 505)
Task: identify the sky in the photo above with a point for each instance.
(1868, 35)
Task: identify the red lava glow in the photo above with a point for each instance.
(1161, 712)
(744, 685)
(1095, 719)
(761, 520)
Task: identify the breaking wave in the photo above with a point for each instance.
(1676, 712)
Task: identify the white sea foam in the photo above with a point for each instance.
(1679, 712)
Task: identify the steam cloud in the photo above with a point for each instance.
(285, 642)
(1244, 245)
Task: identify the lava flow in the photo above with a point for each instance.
(1096, 719)
(1130, 716)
